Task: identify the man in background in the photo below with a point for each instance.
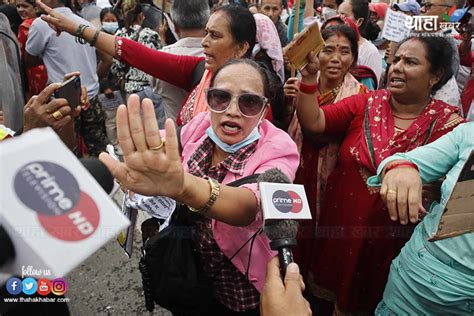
(190, 19)
(64, 54)
(273, 9)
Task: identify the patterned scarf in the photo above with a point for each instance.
(377, 140)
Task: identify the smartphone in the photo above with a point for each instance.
(71, 91)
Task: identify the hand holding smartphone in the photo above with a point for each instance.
(71, 91)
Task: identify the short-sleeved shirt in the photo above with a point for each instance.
(63, 54)
(172, 95)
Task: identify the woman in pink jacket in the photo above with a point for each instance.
(229, 142)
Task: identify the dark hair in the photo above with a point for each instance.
(439, 53)
(190, 14)
(371, 31)
(130, 14)
(12, 15)
(347, 32)
(242, 25)
(360, 9)
(32, 2)
(255, 65)
(104, 11)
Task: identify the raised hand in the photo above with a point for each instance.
(291, 87)
(152, 165)
(310, 71)
(56, 20)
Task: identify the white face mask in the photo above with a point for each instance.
(110, 27)
(328, 13)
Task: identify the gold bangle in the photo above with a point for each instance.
(215, 190)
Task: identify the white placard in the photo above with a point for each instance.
(395, 27)
(283, 201)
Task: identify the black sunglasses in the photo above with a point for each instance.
(249, 104)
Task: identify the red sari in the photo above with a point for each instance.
(356, 241)
(318, 158)
(36, 76)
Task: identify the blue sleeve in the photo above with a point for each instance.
(38, 37)
(291, 21)
(433, 160)
(369, 83)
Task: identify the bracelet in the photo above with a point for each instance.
(308, 88)
(94, 39)
(215, 190)
(80, 33)
(404, 163)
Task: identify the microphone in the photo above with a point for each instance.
(100, 173)
(281, 232)
(7, 250)
(61, 214)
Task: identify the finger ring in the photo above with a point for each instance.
(391, 191)
(57, 115)
(158, 147)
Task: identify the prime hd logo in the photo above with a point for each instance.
(53, 193)
(287, 201)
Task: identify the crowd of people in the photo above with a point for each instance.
(211, 98)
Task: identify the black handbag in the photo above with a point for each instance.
(171, 270)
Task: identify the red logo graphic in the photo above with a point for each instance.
(77, 224)
(44, 287)
(287, 201)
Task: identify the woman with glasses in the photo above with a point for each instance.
(356, 241)
(231, 141)
(230, 33)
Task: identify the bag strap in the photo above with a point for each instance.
(198, 72)
(245, 180)
(248, 179)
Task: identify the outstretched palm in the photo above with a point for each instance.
(150, 167)
(56, 20)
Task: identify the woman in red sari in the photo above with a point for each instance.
(319, 154)
(36, 75)
(356, 240)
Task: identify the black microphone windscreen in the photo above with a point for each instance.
(281, 229)
(100, 173)
(274, 175)
(7, 250)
